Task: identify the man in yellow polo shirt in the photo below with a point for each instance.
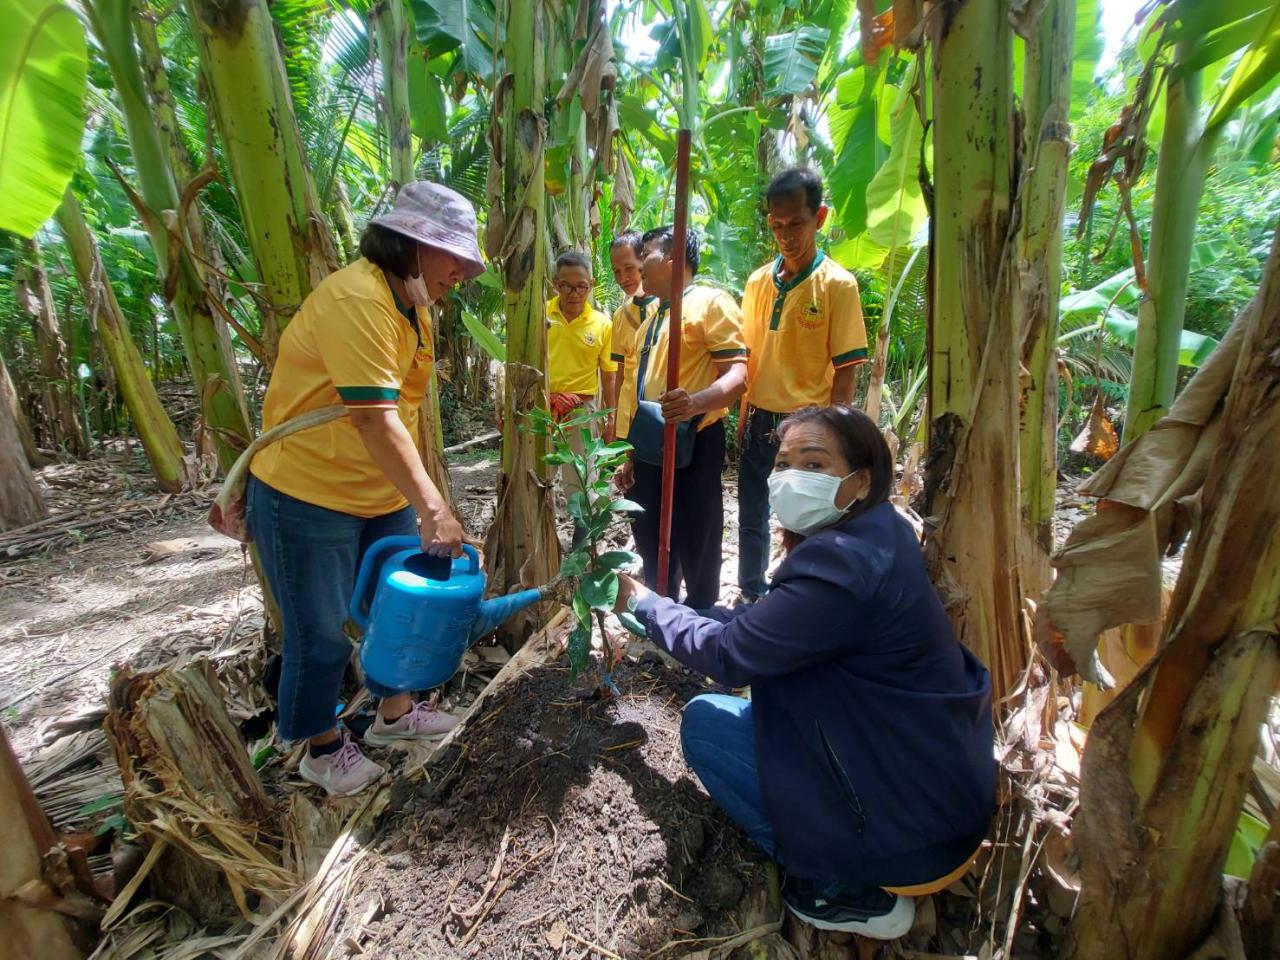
(713, 374)
(802, 319)
(580, 365)
(625, 254)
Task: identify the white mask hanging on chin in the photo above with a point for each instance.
(416, 288)
(805, 502)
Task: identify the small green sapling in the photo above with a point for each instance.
(597, 507)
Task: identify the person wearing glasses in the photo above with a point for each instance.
(579, 360)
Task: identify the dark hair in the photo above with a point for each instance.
(796, 180)
(573, 258)
(665, 237)
(629, 238)
(393, 252)
(861, 443)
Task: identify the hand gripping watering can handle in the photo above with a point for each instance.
(366, 582)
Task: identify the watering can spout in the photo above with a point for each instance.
(498, 610)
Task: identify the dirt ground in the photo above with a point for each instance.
(566, 820)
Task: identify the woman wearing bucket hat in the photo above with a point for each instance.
(319, 497)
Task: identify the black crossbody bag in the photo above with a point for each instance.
(648, 426)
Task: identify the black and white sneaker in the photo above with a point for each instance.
(869, 912)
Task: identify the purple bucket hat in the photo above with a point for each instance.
(439, 217)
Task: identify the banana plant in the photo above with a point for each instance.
(1191, 44)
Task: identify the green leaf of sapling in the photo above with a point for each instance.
(619, 560)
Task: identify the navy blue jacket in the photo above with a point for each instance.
(873, 728)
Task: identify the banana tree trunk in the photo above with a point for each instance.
(156, 81)
(1260, 916)
(9, 398)
(1168, 762)
(155, 429)
(391, 29)
(205, 338)
(20, 499)
(344, 222)
(1185, 152)
(1047, 101)
(31, 929)
(290, 238)
(972, 473)
(58, 398)
(522, 547)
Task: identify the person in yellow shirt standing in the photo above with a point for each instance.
(625, 254)
(802, 319)
(713, 373)
(579, 358)
(317, 499)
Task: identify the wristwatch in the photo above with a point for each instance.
(633, 602)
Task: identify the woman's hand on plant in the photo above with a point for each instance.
(678, 405)
(628, 587)
(441, 534)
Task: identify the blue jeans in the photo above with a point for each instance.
(310, 556)
(759, 449)
(719, 743)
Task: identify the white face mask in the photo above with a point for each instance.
(805, 502)
(416, 288)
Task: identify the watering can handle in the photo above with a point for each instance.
(474, 557)
(362, 595)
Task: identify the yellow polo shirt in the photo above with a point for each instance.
(578, 349)
(626, 321)
(711, 332)
(799, 333)
(350, 343)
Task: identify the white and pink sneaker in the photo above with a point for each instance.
(423, 722)
(343, 773)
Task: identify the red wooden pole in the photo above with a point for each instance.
(680, 229)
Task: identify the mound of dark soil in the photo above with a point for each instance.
(560, 823)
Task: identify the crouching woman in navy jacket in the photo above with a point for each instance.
(863, 761)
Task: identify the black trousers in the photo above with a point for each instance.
(697, 521)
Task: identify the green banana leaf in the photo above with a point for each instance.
(42, 92)
(1250, 835)
(482, 335)
(428, 115)
(1193, 348)
(791, 60)
(463, 25)
(895, 203)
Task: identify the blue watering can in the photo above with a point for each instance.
(419, 613)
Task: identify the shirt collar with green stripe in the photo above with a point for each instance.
(664, 306)
(410, 313)
(783, 287)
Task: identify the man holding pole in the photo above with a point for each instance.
(802, 319)
(712, 374)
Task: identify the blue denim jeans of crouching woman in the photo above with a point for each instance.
(310, 556)
(719, 742)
